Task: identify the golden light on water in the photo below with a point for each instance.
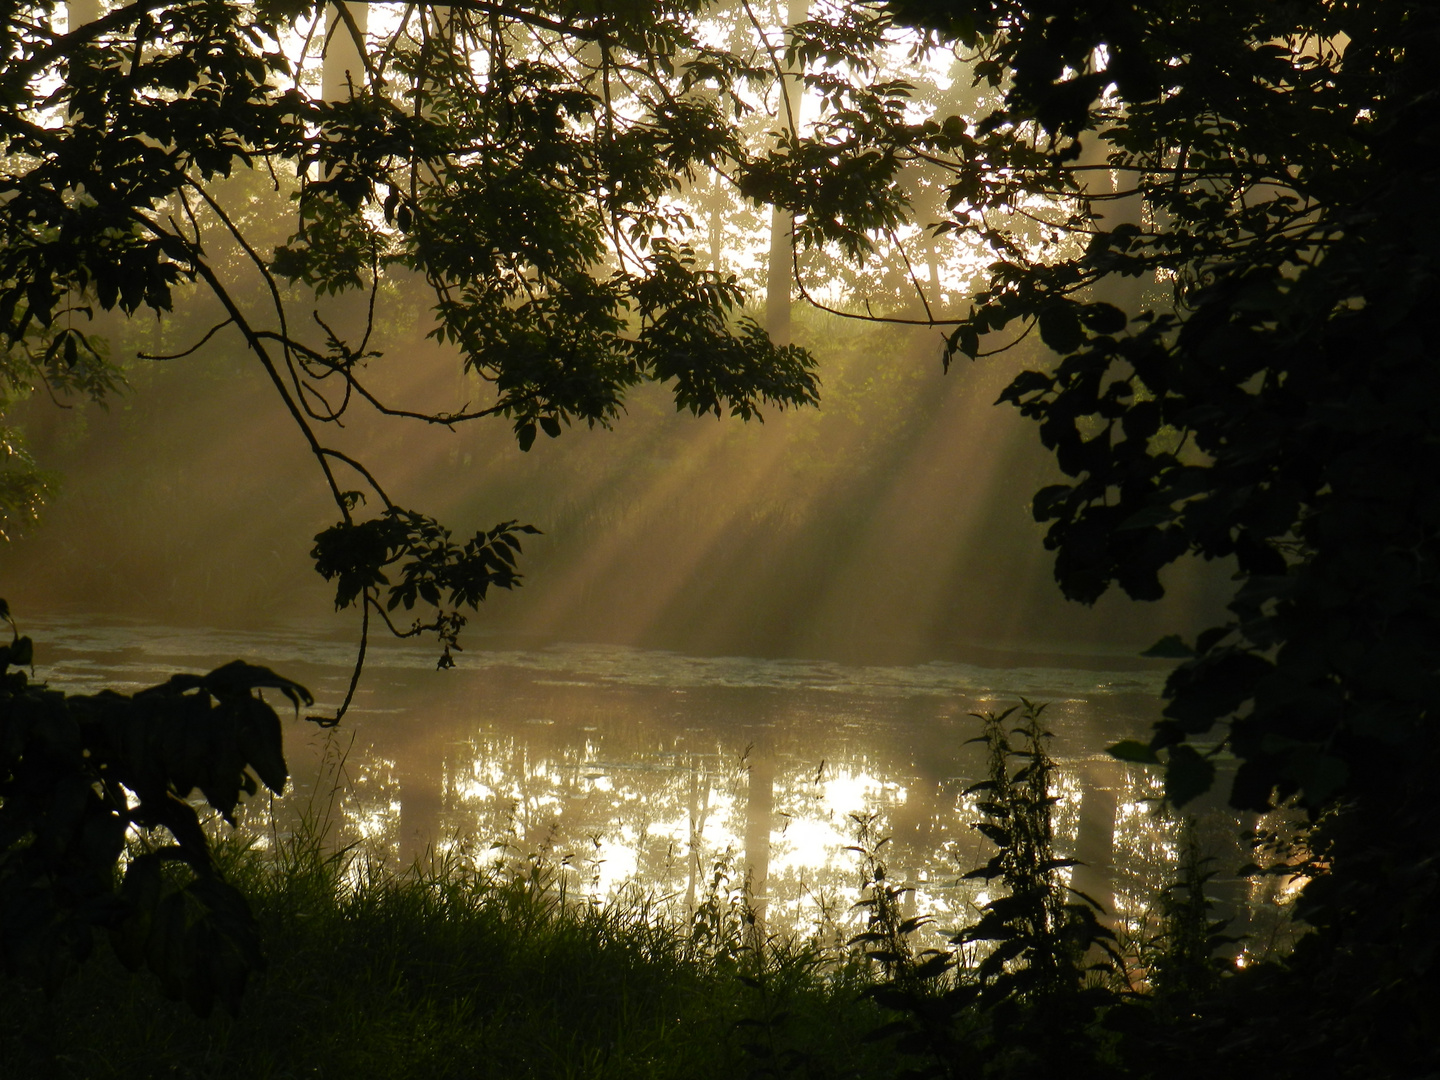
(665, 817)
(622, 773)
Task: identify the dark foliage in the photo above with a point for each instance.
(1021, 991)
(99, 833)
(1041, 932)
(1182, 961)
(1275, 407)
(433, 569)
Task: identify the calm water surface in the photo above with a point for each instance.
(630, 768)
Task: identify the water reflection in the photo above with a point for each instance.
(617, 767)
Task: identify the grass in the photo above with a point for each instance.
(446, 972)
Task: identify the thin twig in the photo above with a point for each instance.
(176, 356)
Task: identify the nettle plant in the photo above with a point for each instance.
(1032, 973)
(1044, 932)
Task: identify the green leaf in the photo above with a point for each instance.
(1132, 750)
(1170, 647)
(1188, 775)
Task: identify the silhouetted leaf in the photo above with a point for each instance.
(1130, 750)
(1188, 775)
(1170, 647)
(1060, 327)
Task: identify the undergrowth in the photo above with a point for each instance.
(446, 971)
(453, 971)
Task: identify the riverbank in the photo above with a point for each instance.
(443, 972)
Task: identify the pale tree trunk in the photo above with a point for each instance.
(80, 12)
(716, 205)
(932, 262)
(77, 14)
(782, 223)
(927, 208)
(342, 78)
(342, 72)
(1112, 209)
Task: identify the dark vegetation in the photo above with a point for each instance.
(1279, 411)
(449, 970)
(452, 972)
(1221, 219)
(80, 774)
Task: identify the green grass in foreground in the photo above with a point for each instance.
(448, 973)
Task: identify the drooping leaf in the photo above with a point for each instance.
(1188, 774)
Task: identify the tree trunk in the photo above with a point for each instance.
(80, 12)
(342, 72)
(782, 222)
(1112, 208)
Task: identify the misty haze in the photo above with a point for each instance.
(737, 538)
(881, 545)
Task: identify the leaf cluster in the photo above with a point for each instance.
(432, 567)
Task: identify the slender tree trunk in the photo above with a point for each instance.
(342, 72)
(778, 288)
(782, 222)
(80, 12)
(1112, 208)
(718, 203)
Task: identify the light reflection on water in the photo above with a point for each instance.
(618, 767)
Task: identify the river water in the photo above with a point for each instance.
(620, 768)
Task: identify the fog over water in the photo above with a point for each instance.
(890, 525)
(731, 637)
(621, 768)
